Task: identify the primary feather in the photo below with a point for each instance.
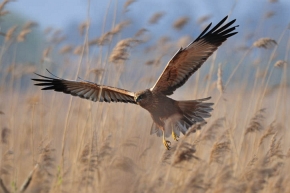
(188, 60)
(86, 89)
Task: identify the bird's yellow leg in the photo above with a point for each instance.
(174, 136)
(166, 143)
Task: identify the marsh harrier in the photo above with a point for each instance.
(169, 116)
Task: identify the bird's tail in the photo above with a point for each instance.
(193, 111)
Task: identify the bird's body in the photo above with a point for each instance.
(160, 107)
(152, 103)
(169, 116)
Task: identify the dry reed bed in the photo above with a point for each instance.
(51, 142)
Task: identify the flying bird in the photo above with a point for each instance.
(170, 117)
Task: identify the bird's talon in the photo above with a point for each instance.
(174, 136)
(167, 144)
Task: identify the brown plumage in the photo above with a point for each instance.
(169, 116)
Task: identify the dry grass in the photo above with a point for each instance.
(220, 85)
(10, 33)
(51, 142)
(120, 53)
(265, 43)
(280, 63)
(180, 23)
(156, 17)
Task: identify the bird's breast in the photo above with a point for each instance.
(162, 108)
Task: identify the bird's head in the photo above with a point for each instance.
(143, 97)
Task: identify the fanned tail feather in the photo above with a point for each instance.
(193, 111)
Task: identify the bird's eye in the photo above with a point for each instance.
(140, 97)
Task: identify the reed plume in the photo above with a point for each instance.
(266, 43)
(10, 33)
(180, 23)
(280, 63)
(256, 122)
(120, 52)
(156, 17)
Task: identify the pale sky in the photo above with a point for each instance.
(57, 13)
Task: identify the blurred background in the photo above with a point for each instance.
(58, 29)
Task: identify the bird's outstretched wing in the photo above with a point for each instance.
(188, 60)
(86, 89)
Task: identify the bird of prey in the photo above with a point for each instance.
(169, 116)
